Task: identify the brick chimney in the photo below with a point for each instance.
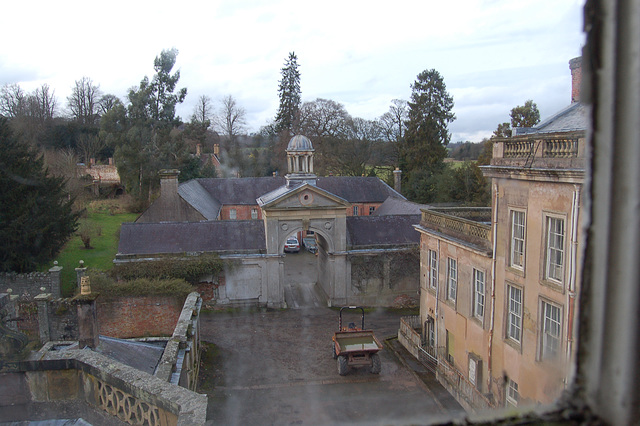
(199, 150)
(169, 183)
(576, 78)
(397, 180)
(216, 149)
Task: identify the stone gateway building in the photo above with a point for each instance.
(362, 257)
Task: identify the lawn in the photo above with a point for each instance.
(105, 228)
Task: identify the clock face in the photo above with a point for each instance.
(306, 198)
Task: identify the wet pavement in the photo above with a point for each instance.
(276, 367)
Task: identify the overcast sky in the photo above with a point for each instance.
(492, 54)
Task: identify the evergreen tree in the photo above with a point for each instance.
(148, 143)
(526, 115)
(289, 94)
(423, 147)
(36, 218)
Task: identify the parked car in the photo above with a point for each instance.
(292, 245)
(310, 244)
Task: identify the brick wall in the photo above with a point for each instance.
(243, 212)
(138, 316)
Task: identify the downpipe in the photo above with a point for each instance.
(494, 231)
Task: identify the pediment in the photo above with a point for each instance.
(305, 196)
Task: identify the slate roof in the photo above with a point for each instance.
(572, 118)
(245, 191)
(140, 355)
(397, 206)
(200, 199)
(181, 237)
(239, 191)
(382, 230)
(358, 189)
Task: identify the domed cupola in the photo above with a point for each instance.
(300, 161)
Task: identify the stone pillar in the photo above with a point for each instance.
(397, 180)
(55, 273)
(80, 271)
(87, 316)
(42, 301)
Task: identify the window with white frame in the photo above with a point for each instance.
(514, 313)
(512, 395)
(554, 258)
(371, 210)
(232, 214)
(355, 210)
(518, 228)
(551, 319)
(478, 294)
(452, 279)
(254, 214)
(433, 269)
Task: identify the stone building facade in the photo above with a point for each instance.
(498, 293)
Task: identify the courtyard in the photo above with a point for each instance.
(276, 367)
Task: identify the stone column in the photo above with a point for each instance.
(55, 272)
(42, 301)
(87, 316)
(80, 271)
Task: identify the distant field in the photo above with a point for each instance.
(105, 245)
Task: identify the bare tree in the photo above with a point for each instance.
(203, 112)
(324, 118)
(393, 121)
(107, 103)
(13, 101)
(83, 101)
(89, 145)
(231, 119)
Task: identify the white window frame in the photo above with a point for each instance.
(452, 279)
(555, 241)
(518, 238)
(233, 214)
(512, 395)
(372, 210)
(514, 313)
(355, 210)
(254, 214)
(433, 269)
(479, 294)
(550, 330)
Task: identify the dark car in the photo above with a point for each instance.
(292, 245)
(310, 244)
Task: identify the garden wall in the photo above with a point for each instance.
(29, 285)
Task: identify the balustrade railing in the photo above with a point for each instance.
(456, 224)
(549, 147)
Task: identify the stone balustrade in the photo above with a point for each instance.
(444, 221)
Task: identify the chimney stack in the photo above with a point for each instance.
(169, 183)
(216, 149)
(397, 180)
(576, 78)
(199, 150)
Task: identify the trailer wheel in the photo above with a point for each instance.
(333, 349)
(376, 364)
(343, 365)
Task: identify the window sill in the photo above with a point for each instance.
(553, 285)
